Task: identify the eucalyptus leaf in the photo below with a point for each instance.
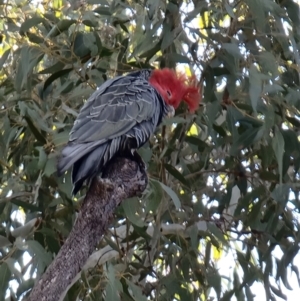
(130, 207)
(168, 38)
(255, 87)
(113, 286)
(172, 195)
(278, 147)
(30, 23)
(5, 274)
(60, 27)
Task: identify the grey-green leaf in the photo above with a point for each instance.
(255, 86)
(172, 195)
(278, 147)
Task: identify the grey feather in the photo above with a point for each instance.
(122, 114)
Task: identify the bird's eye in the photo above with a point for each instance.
(169, 94)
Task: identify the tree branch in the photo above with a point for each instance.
(107, 253)
(123, 178)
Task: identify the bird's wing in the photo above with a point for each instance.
(114, 109)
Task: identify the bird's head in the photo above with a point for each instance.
(175, 87)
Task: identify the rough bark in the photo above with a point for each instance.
(124, 178)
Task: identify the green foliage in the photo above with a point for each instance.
(223, 181)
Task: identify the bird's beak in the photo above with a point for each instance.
(171, 112)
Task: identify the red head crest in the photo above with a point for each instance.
(176, 87)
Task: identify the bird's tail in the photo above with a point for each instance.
(72, 153)
(88, 166)
(92, 163)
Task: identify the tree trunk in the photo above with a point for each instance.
(122, 178)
